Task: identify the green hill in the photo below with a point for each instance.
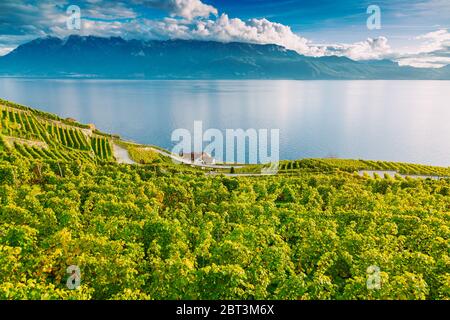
(163, 231)
(35, 134)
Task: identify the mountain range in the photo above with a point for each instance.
(117, 58)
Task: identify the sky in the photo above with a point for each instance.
(412, 32)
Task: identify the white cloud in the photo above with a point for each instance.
(435, 41)
(118, 11)
(425, 62)
(261, 31)
(433, 52)
(371, 49)
(188, 9)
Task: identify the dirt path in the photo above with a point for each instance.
(122, 155)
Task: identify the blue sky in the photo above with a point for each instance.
(413, 32)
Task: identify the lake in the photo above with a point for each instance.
(405, 121)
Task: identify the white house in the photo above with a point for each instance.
(199, 158)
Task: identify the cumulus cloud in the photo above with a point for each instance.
(188, 9)
(261, 31)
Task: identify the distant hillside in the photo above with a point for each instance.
(96, 57)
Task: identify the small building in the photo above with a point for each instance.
(198, 158)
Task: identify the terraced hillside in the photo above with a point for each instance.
(326, 165)
(34, 134)
(297, 167)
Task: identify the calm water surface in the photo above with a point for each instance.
(387, 120)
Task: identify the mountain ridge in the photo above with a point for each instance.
(115, 57)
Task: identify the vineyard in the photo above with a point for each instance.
(329, 165)
(37, 135)
(143, 155)
(159, 231)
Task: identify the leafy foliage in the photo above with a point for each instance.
(140, 233)
(143, 155)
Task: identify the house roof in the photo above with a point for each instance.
(193, 156)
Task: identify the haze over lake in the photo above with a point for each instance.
(381, 120)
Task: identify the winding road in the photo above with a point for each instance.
(122, 156)
(178, 159)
